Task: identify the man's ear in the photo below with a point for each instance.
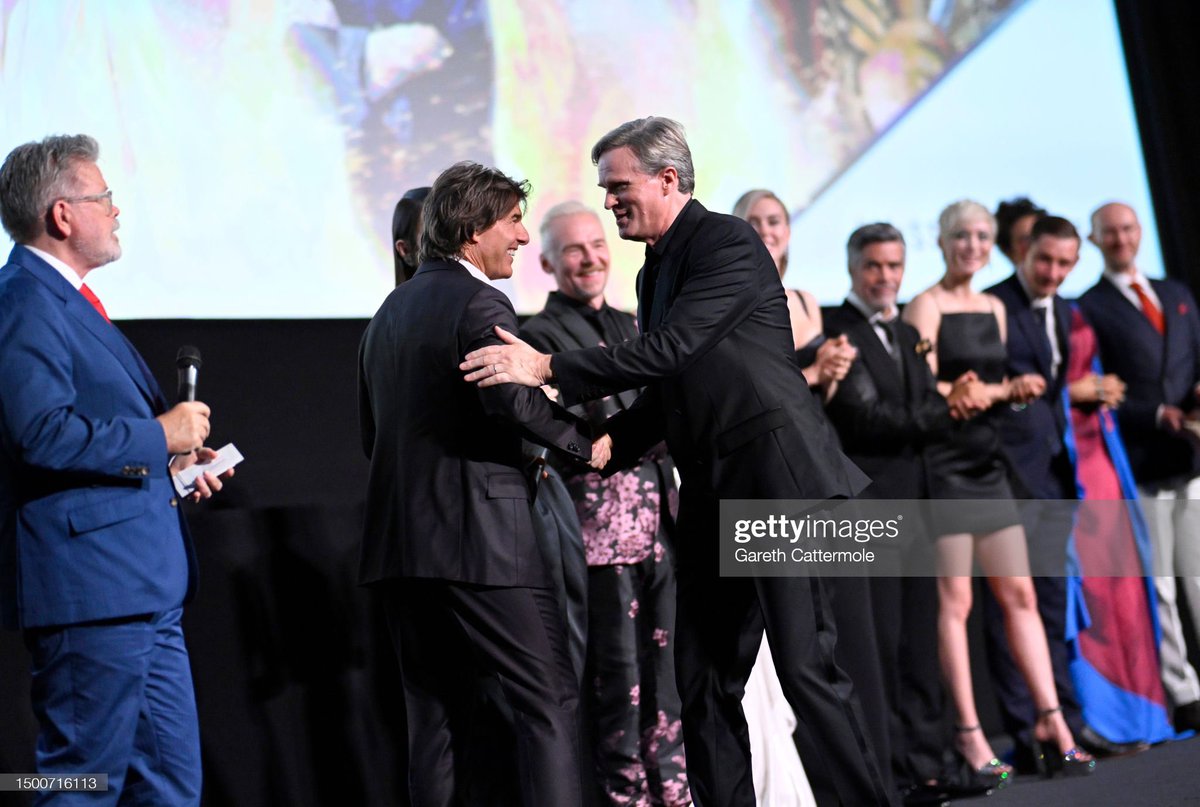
(59, 219)
(670, 179)
(546, 267)
(402, 248)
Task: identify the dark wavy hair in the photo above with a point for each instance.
(1009, 213)
(465, 199)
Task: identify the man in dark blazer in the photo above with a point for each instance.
(95, 558)
(724, 388)
(885, 411)
(1033, 438)
(448, 533)
(628, 539)
(1149, 335)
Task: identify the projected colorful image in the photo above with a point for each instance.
(256, 148)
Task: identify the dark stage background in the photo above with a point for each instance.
(295, 682)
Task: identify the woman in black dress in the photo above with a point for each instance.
(966, 330)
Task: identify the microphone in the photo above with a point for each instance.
(187, 364)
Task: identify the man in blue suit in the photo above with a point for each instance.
(1149, 335)
(95, 558)
(1033, 437)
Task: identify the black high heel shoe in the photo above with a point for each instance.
(1053, 761)
(993, 770)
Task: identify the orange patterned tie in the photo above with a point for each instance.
(1152, 312)
(91, 297)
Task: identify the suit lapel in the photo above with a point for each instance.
(667, 277)
(643, 315)
(1062, 327)
(105, 332)
(572, 326)
(1174, 335)
(1120, 303)
(1031, 329)
(873, 355)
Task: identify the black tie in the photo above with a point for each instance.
(1040, 314)
(889, 327)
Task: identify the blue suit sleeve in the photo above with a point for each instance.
(49, 424)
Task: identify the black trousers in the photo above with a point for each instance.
(719, 625)
(905, 615)
(448, 635)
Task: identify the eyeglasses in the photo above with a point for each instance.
(104, 198)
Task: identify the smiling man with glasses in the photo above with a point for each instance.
(95, 558)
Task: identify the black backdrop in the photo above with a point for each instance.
(295, 683)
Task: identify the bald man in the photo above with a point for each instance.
(1149, 335)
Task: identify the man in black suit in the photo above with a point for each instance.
(1040, 467)
(885, 411)
(627, 524)
(723, 386)
(1149, 335)
(448, 533)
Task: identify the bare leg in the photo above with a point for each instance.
(954, 606)
(1004, 553)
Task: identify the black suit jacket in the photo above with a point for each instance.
(1032, 436)
(559, 327)
(885, 419)
(1157, 370)
(723, 383)
(446, 495)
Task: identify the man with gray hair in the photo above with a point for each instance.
(724, 389)
(628, 527)
(95, 558)
(886, 410)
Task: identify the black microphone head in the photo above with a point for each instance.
(188, 356)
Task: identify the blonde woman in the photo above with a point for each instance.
(825, 362)
(965, 330)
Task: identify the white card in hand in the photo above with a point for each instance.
(227, 457)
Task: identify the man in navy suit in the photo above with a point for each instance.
(95, 558)
(1149, 335)
(1033, 438)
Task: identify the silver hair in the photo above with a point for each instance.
(34, 175)
(657, 143)
(955, 212)
(571, 207)
(881, 232)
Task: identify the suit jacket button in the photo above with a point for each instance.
(144, 471)
(573, 447)
(174, 502)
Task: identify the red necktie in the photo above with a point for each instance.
(1152, 312)
(91, 297)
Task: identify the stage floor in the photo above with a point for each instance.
(1167, 775)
